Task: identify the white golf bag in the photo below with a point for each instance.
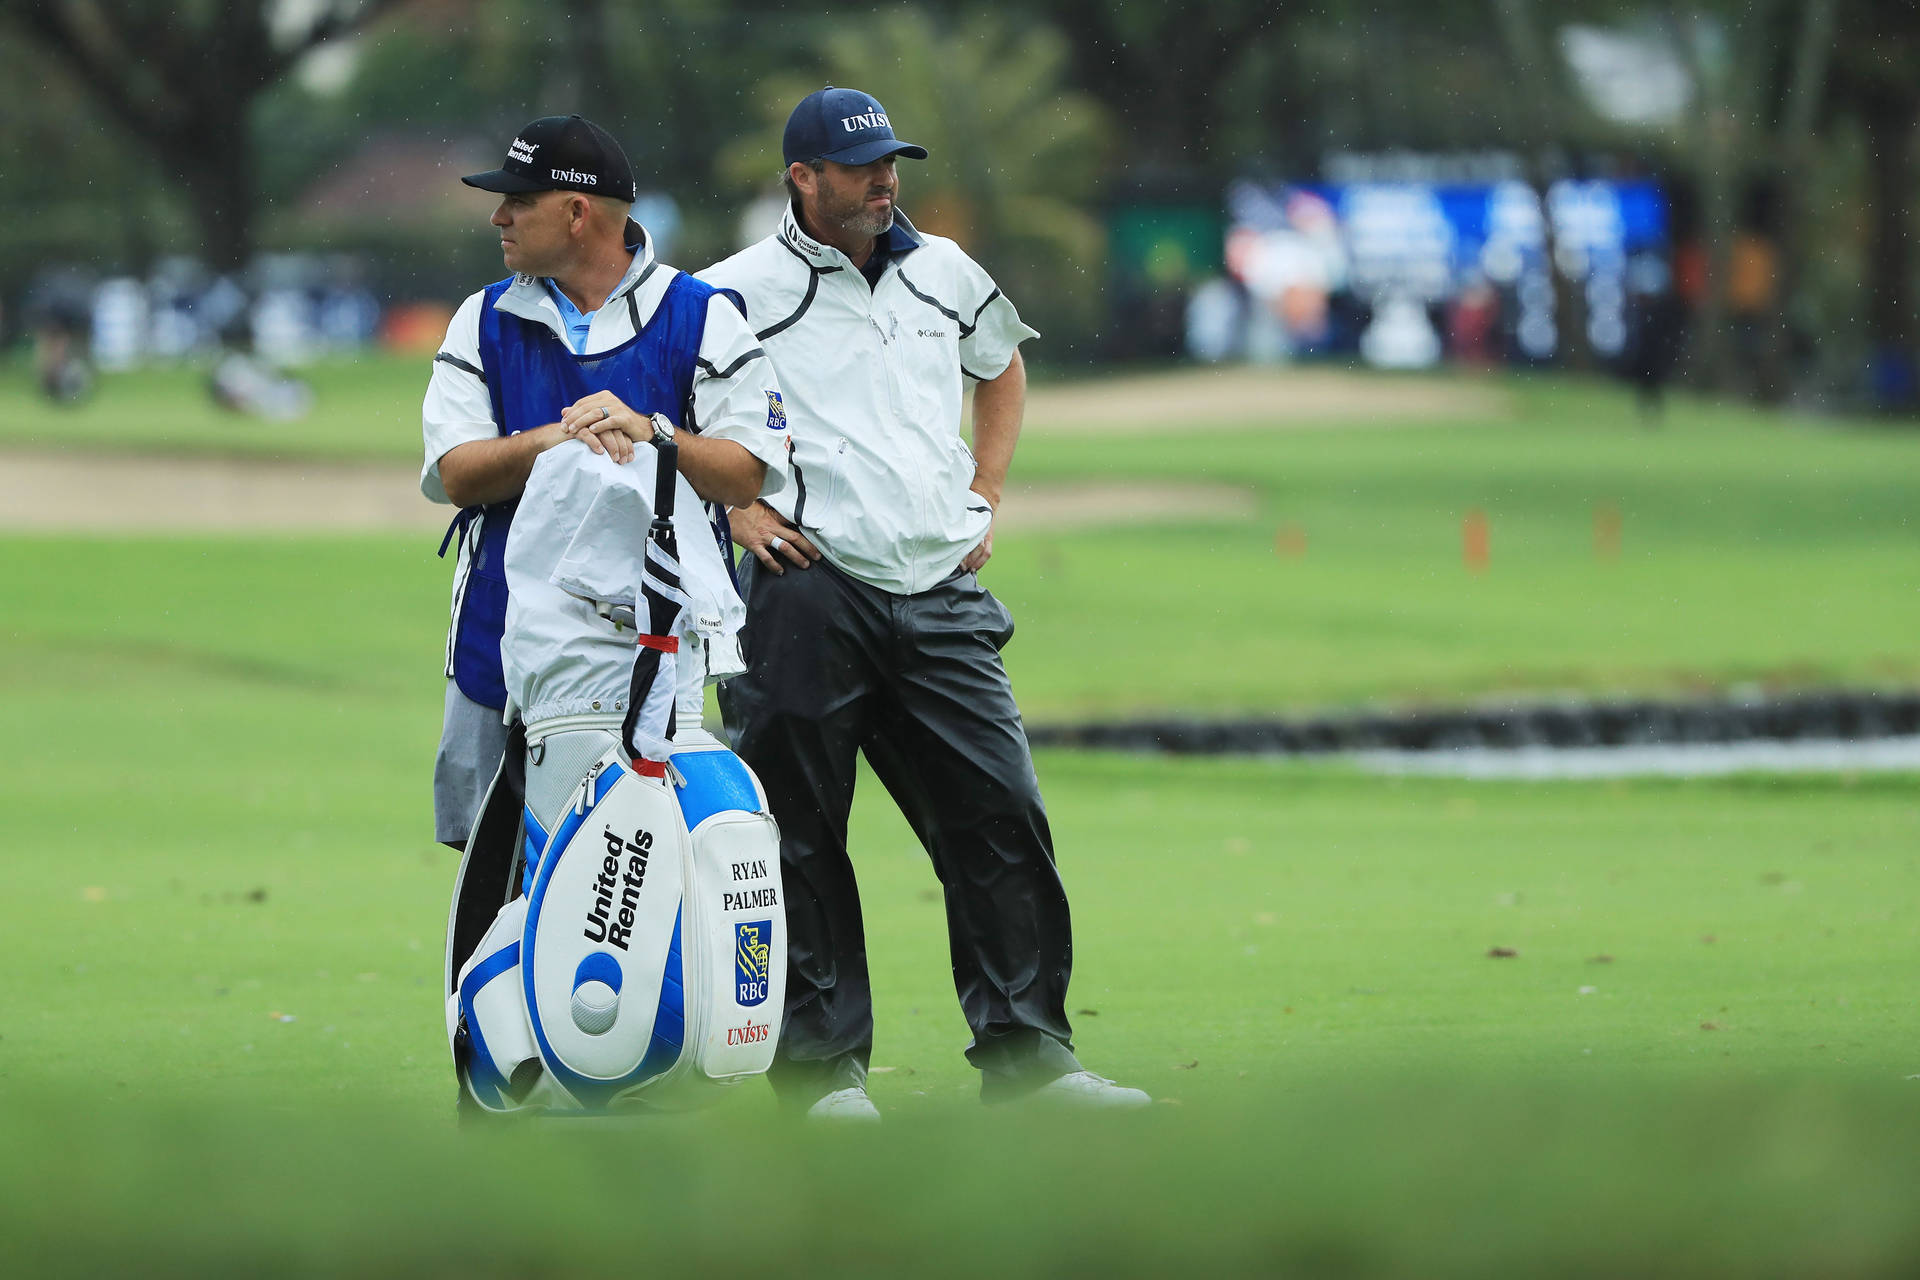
(642, 954)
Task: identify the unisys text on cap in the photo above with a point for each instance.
(561, 153)
(845, 126)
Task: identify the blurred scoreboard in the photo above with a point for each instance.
(1428, 244)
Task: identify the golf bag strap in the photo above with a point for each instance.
(665, 644)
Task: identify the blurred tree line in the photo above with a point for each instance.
(218, 128)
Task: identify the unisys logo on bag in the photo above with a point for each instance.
(752, 959)
(750, 1033)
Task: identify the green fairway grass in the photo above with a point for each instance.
(1754, 550)
(223, 1046)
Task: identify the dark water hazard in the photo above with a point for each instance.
(1838, 730)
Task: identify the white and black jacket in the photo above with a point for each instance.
(872, 380)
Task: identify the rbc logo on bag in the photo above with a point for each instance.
(751, 956)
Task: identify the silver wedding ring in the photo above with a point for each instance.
(605, 413)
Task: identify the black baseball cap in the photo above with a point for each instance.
(845, 126)
(561, 153)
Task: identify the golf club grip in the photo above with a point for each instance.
(664, 479)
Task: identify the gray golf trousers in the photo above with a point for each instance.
(836, 667)
(471, 740)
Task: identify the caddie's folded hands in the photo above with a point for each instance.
(604, 423)
(773, 542)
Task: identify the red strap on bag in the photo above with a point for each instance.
(665, 644)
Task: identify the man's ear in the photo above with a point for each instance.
(803, 177)
(579, 212)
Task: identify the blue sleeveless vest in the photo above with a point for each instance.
(531, 376)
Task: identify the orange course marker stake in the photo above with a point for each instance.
(1475, 537)
(1606, 531)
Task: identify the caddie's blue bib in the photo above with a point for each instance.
(531, 376)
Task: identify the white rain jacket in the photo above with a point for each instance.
(578, 544)
(871, 380)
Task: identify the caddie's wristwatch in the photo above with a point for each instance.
(663, 428)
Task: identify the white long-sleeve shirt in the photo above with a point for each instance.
(731, 384)
(735, 397)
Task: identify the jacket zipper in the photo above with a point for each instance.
(836, 476)
(888, 351)
(887, 347)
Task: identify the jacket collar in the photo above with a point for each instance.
(527, 296)
(900, 239)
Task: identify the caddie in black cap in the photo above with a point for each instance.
(561, 153)
(591, 340)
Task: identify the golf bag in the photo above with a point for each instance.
(643, 948)
(617, 934)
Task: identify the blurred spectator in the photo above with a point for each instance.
(1894, 382)
(1216, 321)
(1656, 332)
(1401, 336)
(57, 313)
(1472, 326)
(287, 308)
(1751, 298)
(245, 384)
(1287, 253)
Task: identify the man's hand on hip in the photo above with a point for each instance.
(979, 555)
(763, 531)
(984, 552)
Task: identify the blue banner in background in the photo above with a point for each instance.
(1399, 249)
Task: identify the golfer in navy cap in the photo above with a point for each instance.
(868, 629)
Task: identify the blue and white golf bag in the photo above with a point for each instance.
(617, 933)
(645, 954)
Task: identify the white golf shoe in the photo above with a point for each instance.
(848, 1106)
(1085, 1089)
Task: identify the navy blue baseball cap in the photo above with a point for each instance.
(561, 153)
(845, 126)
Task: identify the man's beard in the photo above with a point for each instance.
(857, 221)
